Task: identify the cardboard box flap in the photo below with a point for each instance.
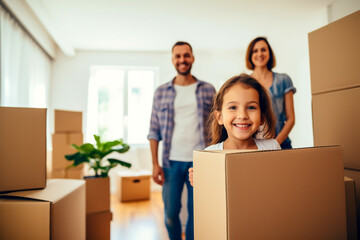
(56, 189)
(237, 151)
(229, 151)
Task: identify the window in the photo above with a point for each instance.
(120, 101)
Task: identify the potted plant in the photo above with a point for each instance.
(98, 186)
(94, 155)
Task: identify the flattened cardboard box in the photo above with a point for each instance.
(68, 121)
(97, 194)
(56, 212)
(336, 116)
(283, 194)
(133, 186)
(98, 225)
(22, 148)
(334, 51)
(61, 143)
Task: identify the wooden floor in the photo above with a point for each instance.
(138, 220)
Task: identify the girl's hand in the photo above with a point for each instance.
(191, 172)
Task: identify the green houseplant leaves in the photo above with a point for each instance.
(94, 155)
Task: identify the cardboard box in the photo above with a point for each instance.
(336, 116)
(22, 148)
(61, 143)
(333, 55)
(56, 212)
(283, 194)
(97, 194)
(133, 186)
(68, 121)
(350, 208)
(98, 226)
(354, 174)
(71, 173)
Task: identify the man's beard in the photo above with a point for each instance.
(184, 73)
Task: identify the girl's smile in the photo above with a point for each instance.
(240, 114)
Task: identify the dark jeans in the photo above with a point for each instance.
(286, 144)
(175, 177)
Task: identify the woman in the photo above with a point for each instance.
(260, 58)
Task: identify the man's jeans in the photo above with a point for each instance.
(175, 177)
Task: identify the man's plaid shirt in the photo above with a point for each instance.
(162, 115)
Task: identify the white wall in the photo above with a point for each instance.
(342, 8)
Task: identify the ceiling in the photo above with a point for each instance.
(143, 25)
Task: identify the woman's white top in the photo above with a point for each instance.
(262, 144)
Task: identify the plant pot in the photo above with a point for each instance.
(97, 194)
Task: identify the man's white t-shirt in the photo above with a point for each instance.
(186, 133)
(262, 144)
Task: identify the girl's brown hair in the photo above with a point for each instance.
(249, 64)
(218, 132)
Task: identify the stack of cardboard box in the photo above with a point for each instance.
(98, 215)
(68, 131)
(30, 206)
(335, 87)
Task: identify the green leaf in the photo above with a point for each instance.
(75, 146)
(98, 143)
(124, 148)
(78, 158)
(71, 157)
(116, 161)
(86, 148)
(109, 145)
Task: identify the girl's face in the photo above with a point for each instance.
(260, 54)
(240, 113)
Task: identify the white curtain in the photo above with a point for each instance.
(25, 68)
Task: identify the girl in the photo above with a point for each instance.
(240, 107)
(261, 59)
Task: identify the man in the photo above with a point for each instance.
(180, 110)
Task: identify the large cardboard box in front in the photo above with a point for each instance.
(56, 212)
(336, 116)
(334, 51)
(22, 148)
(283, 194)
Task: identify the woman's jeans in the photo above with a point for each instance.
(286, 144)
(175, 177)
